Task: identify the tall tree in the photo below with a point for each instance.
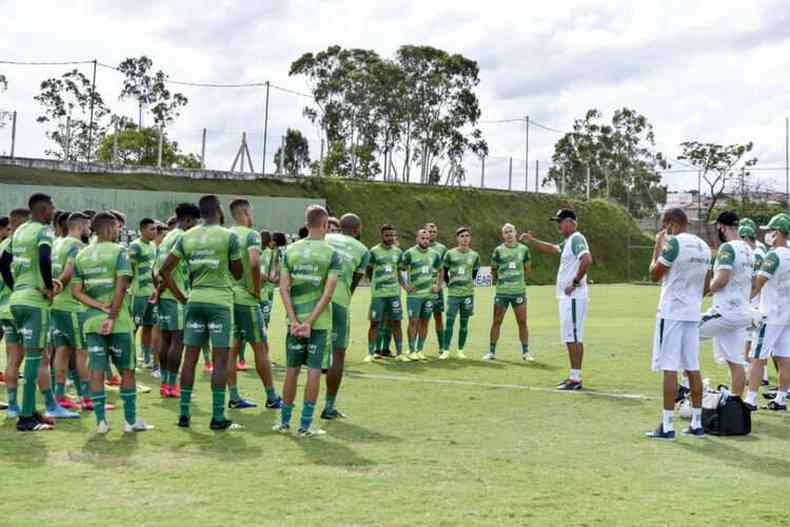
(294, 155)
(66, 103)
(141, 147)
(150, 91)
(623, 162)
(720, 166)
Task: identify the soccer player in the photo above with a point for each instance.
(142, 254)
(67, 315)
(309, 276)
(571, 290)
(212, 254)
(267, 278)
(249, 326)
(5, 292)
(171, 298)
(747, 230)
(423, 282)
(334, 225)
(438, 300)
(353, 262)
(102, 274)
(385, 282)
(680, 261)
(510, 263)
(460, 271)
(731, 285)
(772, 283)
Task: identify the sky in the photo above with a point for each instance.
(707, 71)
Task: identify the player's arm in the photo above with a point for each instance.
(494, 266)
(766, 272)
(439, 268)
(78, 292)
(539, 245)
(234, 257)
(335, 267)
(68, 271)
(285, 294)
(166, 272)
(475, 270)
(665, 252)
(45, 265)
(401, 266)
(360, 271)
(5, 268)
(254, 253)
(724, 262)
(527, 261)
(123, 277)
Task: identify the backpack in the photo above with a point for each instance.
(729, 418)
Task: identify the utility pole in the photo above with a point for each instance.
(483, 172)
(787, 162)
(562, 180)
(537, 171)
(526, 154)
(115, 144)
(68, 137)
(321, 160)
(510, 175)
(587, 166)
(203, 151)
(13, 133)
(90, 128)
(265, 129)
(161, 140)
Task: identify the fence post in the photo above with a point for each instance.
(536, 176)
(115, 145)
(159, 155)
(483, 172)
(510, 175)
(203, 151)
(13, 133)
(68, 137)
(321, 160)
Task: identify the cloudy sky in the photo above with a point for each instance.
(709, 71)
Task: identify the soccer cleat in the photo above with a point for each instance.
(386, 353)
(184, 421)
(142, 388)
(403, 358)
(283, 428)
(31, 424)
(227, 424)
(750, 407)
(174, 391)
(148, 364)
(61, 413)
(86, 404)
(765, 382)
(421, 355)
(444, 355)
(274, 404)
(67, 403)
(413, 356)
(695, 432)
(241, 404)
(368, 358)
(773, 405)
(12, 412)
(461, 354)
(489, 356)
(660, 434)
(770, 395)
(332, 414)
(311, 432)
(208, 367)
(138, 426)
(103, 427)
(164, 391)
(528, 357)
(113, 381)
(241, 365)
(569, 385)
(156, 373)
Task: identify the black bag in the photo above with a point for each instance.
(730, 419)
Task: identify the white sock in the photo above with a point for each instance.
(576, 375)
(696, 417)
(765, 373)
(780, 397)
(666, 421)
(684, 381)
(751, 398)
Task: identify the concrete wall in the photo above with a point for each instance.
(277, 214)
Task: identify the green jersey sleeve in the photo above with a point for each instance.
(254, 241)
(527, 255)
(335, 265)
(363, 264)
(726, 257)
(405, 260)
(178, 249)
(670, 252)
(495, 260)
(579, 246)
(437, 262)
(234, 248)
(44, 237)
(123, 266)
(770, 265)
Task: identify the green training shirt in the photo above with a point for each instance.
(461, 267)
(208, 250)
(64, 252)
(142, 255)
(386, 263)
(310, 263)
(180, 273)
(98, 268)
(5, 291)
(249, 239)
(267, 259)
(24, 246)
(510, 262)
(354, 258)
(421, 268)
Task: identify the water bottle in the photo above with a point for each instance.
(725, 394)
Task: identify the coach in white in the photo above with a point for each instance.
(571, 290)
(773, 284)
(728, 320)
(680, 261)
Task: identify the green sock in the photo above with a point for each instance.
(371, 348)
(420, 344)
(129, 398)
(271, 394)
(186, 400)
(242, 348)
(388, 340)
(525, 348)
(51, 371)
(441, 335)
(398, 345)
(218, 404)
(463, 332)
(206, 354)
(85, 389)
(285, 414)
(330, 402)
(234, 393)
(412, 344)
(11, 395)
(492, 348)
(173, 378)
(448, 333)
(99, 398)
(307, 415)
(32, 362)
(146, 354)
(60, 389)
(74, 375)
(108, 370)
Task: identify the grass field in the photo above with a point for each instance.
(438, 443)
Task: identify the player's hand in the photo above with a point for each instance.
(435, 289)
(254, 294)
(57, 285)
(569, 289)
(49, 294)
(296, 329)
(154, 298)
(106, 308)
(661, 237)
(106, 326)
(306, 330)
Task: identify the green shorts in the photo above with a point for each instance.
(307, 352)
(119, 346)
(248, 325)
(208, 323)
(67, 331)
(143, 312)
(341, 325)
(506, 300)
(9, 332)
(266, 310)
(170, 315)
(420, 308)
(386, 308)
(438, 302)
(463, 304)
(32, 326)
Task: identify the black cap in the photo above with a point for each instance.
(564, 214)
(728, 217)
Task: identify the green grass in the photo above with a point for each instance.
(494, 447)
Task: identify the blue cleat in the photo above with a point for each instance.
(694, 432)
(58, 412)
(13, 411)
(660, 434)
(241, 404)
(275, 404)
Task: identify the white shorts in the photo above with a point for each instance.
(573, 313)
(728, 333)
(772, 341)
(676, 345)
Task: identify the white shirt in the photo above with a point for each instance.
(734, 298)
(573, 248)
(776, 291)
(682, 287)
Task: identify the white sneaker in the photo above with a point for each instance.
(156, 374)
(368, 358)
(444, 355)
(403, 358)
(311, 432)
(282, 428)
(529, 357)
(489, 356)
(103, 427)
(138, 426)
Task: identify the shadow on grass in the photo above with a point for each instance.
(228, 446)
(321, 451)
(346, 431)
(104, 452)
(721, 450)
(24, 449)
